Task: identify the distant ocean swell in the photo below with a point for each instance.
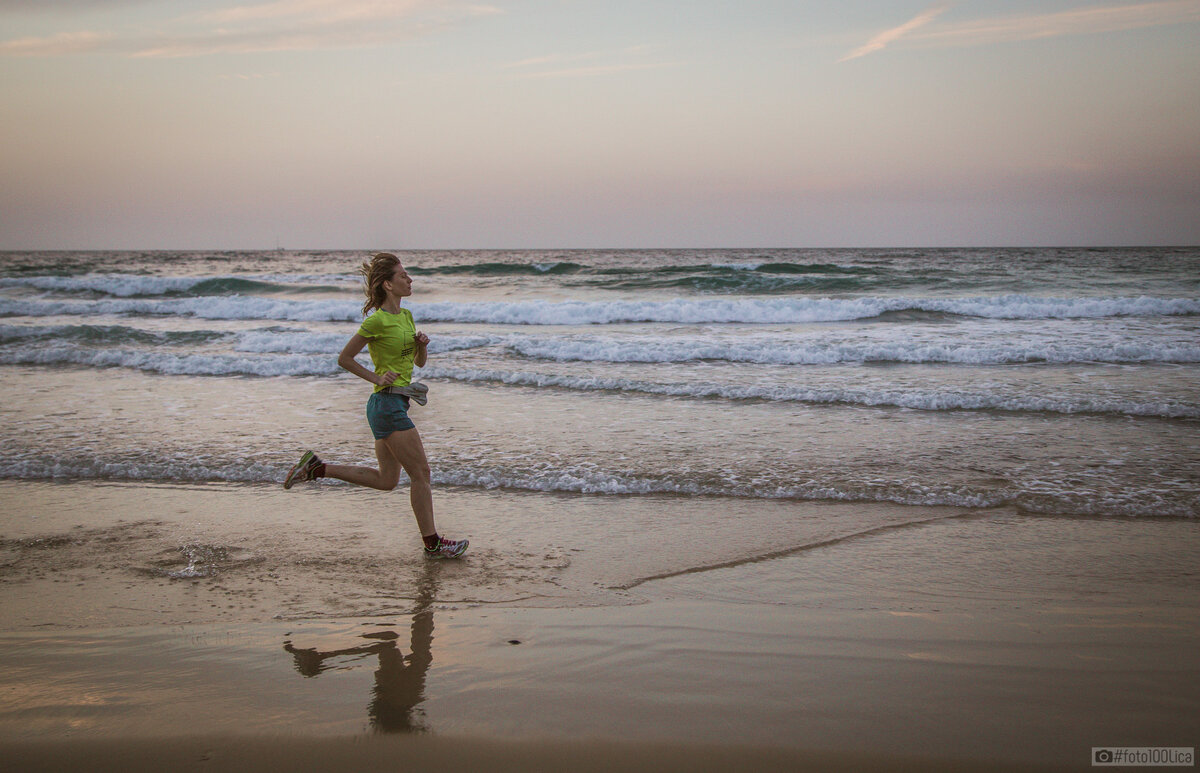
(765, 266)
(769, 279)
(765, 276)
(678, 311)
(552, 268)
(749, 277)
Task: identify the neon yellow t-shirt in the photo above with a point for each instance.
(391, 340)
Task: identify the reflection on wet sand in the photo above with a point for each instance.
(400, 679)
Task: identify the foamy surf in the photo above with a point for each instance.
(1055, 381)
(915, 399)
(779, 350)
(141, 285)
(772, 311)
(1046, 498)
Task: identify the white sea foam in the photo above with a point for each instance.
(212, 307)
(352, 280)
(586, 478)
(181, 467)
(175, 364)
(266, 341)
(269, 341)
(110, 284)
(109, 334)
(680, 311)
(917, 399)
(278, 354)
(794, 310)
(777, 351)
(747, 266)
(316, 361)
(299, 342)
(130, 285)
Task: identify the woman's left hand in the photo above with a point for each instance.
(422, 352)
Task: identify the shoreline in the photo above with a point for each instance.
(207, 553)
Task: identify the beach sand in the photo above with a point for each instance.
(389, 753)
(241, 627)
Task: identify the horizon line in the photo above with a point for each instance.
(7, 251)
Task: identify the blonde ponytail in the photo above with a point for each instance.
(375, 272)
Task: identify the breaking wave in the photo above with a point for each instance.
(916, 399)
(680, 311)
(143, 286)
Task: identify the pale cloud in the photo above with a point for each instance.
(587, 63)
(535, 61)
(1078, 21)
(318, 11)
(249, 76)
(600, 69)
(280, 25)
(886, 37)
(55, 45)
(66, 6)
(1088, 20)
(579, 56)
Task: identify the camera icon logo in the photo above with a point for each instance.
(1104, 756)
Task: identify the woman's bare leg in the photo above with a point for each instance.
(384, 479)
(399, 450)
(405, 448)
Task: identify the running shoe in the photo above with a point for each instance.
(447, 548)
(305, 469)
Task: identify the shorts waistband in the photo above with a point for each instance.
(416, 391)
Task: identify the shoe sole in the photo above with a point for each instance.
(457, 554)
(290, 480)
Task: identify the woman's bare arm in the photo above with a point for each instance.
(422, 353)
(347, 361)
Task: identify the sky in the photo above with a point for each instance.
(437, 124)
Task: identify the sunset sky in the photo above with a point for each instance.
(130, 124)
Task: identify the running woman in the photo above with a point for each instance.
(395, 346)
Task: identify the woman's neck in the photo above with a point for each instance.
(391, 305)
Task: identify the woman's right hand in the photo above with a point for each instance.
(386, 378)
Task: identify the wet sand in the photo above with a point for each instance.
(307, 754)
(240, 627)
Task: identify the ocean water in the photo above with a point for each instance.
(759, 484)
(1059, 382)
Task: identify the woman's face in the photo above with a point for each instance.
(401, 282)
